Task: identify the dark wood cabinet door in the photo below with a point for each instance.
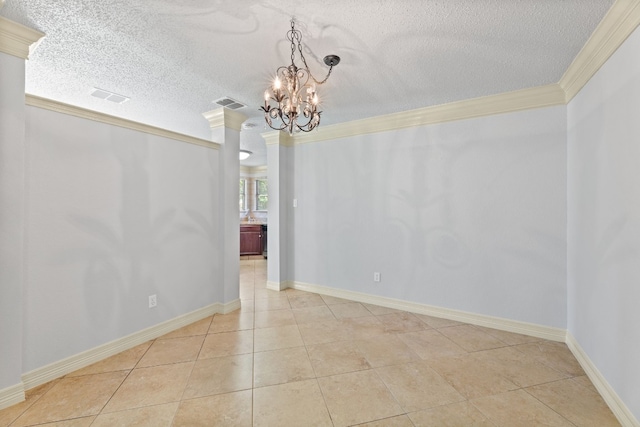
(250, 240)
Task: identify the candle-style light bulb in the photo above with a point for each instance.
(266, 95)
(276, 84)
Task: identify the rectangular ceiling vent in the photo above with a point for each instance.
(109, 96)
(229, 103)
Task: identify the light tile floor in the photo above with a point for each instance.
(298, 359)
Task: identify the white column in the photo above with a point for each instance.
(279, 150)
(15, 41)
(225, 129)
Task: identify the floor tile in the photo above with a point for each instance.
(388, 351)
(399, 421)
(471, 338)
(306, 301)
(313, 314)
(509, 338)
(73, 398)
(272, 318)
(75, 422)
(462, 414)
(276, 338)
(378, 310)
(236, 321)
(431, 344)
(151, 386)
(358, 397)
(8, 415)
(323, 332)
(581, 405)
(416, 386)
(364, 328)
(280, 302)
(297, 403)
(227, 344)
(518, 408)
(401, 322)
(222, 410)
(437, 322)
(148, 416)
(553, 354)
(336, 358)
(220, 375)
(281, 366)
(123, 361)
(196, 328)
(173, 350)
(349, 309)
(329, 300)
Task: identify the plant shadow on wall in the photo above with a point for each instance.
(121, 264)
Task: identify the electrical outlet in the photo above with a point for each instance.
(376, 276)
(153, 301)
(295, 203)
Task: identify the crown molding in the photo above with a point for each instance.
(49, 104)
(537, 97)
(278, 138)
(252, 171)
(223, 117)
(18, 40)
(619, 22)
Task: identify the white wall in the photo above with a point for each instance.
(468, 215)
(113, 216)
(604, 221)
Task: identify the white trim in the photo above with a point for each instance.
(276, 137)
(617, 406)
(525, 99)
(16, 39)
(223, 117)
(63, 367)
(12, 395)
(539, 331)
(620, 21)
(60, 107)
(278, 286)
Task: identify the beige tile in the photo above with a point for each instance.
(469, 377)
(462, 414)
(272, 318)
(581, 405)
(173, 350)
(358, 397)
(298, 403)
(75, 422)
(227, 344)
(73, 397)
(363, 328)
(323, 332)
(437, 322)
(401, 322)
(313, 314)
(222, 410)
(333, 300)
(379, 310)
(471, 338)
(400, 421)
(518, 408)
(517, 367)
(416, 386)
(291, 292)
(151, 386)
(8, 415)
(509, 338)
(306, 301)
(272, 303)
(389, 350)
(220, 375)
(349, 309)
(336, 358)
(276, 338)
(281, 366)
(123, 361)
(431, 344)
(237, 321)
(201, 327)
(553, 354)
(148, 416)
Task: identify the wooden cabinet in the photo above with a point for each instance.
(251, 239)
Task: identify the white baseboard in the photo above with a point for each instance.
(65, 366)
(546, 332)
(617, 406)
(278, 286)
(11, 395)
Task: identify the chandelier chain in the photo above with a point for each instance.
(297, 36)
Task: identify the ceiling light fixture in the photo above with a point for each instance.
(292, 92)
(244, 154)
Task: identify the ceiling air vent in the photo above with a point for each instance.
(109, 96)
(229, 103)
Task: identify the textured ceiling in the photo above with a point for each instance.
(174, 57)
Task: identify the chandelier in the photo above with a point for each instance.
(295, 97)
